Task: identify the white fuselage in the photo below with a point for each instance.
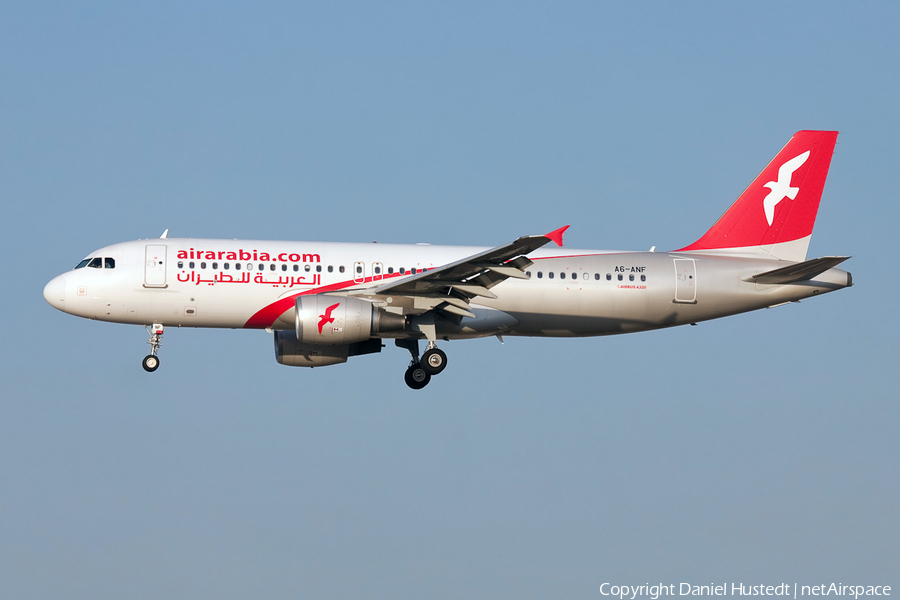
(254, 284)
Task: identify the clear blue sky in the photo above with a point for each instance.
(760, 448)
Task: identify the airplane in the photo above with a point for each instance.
(325, 302)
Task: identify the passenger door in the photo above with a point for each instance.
(155, 266)
(685, 280)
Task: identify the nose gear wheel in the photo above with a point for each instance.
(150, 363)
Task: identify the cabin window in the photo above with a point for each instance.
(540, 275)
(180, 265)
(203, 265)
(643, 278)
(330, 269)
(306, 268)
(608, 277)
(402, 270)
(620, 277)
(215, 265)
(550, 274)
(272, 267)
(226, 266)
(318, 268)
(341, 268)
(296, 268)
(237, 266)
(528, 274)
(284, 267)
(413, 270)
(597, 276)
(378, 270)
(574, 275)
(191, 264)
(631, 278)
(359, 269)
(390, 270)
(249, 266)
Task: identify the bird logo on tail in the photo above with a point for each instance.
(782, 189)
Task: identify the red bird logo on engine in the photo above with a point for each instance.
(327, 318)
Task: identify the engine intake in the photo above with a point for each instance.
(332, 320)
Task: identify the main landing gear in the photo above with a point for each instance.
(416, 377)
(419, 372)
(434, 360)
(151, 361)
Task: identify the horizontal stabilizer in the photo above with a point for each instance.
(799, 272)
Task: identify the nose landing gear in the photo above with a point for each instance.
(419, 373)
(151, 361)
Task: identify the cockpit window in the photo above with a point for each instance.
(83, 263)
(96, 263)
(110, 263)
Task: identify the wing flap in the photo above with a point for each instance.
(455, 310)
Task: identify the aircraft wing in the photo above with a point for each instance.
(453, 285)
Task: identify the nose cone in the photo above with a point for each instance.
(55, 293)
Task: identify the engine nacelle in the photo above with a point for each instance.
(333, 320)
(293, 353)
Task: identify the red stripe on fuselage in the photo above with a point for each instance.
(266, 316)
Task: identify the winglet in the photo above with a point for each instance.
(164, 235)
(556, 235)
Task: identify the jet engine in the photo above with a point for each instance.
(334, 320)
(293, 353)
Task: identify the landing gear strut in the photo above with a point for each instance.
(151, 361)
(419, 372)
(416, 377)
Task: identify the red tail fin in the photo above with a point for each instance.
(774, 217)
